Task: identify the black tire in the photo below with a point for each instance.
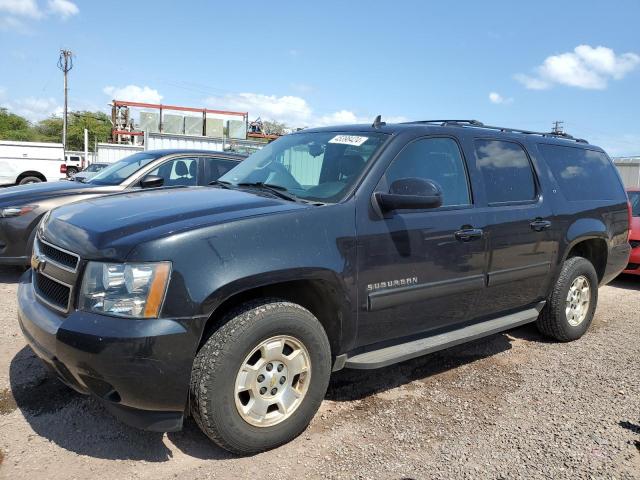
(553, 320)
(71, 171)
(218, 361)
(30, 179)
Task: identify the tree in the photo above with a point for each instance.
(15, 127)
(98, 124)
(271, 127)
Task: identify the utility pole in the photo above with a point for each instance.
(65, 63)
(558, 127)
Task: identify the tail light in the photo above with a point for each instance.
(629, 210)
(63, 168)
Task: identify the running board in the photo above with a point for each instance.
(405, 351)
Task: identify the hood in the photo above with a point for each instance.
(110, 226)
(34, 192)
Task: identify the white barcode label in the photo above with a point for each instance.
(354, 140)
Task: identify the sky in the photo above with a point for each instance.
(516, 64)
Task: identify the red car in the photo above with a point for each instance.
(634, 236)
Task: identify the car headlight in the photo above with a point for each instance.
(6, 212)
(134, 290)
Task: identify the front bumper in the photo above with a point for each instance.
(140, 369)
(633, 267)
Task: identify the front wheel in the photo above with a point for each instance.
(260, 378)
(572, 304)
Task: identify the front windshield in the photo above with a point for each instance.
(118, 172)
(634, 199)
(314, 166)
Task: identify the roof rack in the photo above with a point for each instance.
(478, 124)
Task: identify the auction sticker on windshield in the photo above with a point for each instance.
(354, 140)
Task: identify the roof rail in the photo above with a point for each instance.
(477, 124)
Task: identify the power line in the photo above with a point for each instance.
(65, 63)
(558, 127)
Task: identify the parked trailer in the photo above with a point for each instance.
(31, 162)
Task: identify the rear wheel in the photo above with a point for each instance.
(30, 179)
(71, 171)
(260, 378)
(571, 306)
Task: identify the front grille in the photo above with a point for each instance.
(58, 256)
(632, 266)
(52, 292)
(634, 243)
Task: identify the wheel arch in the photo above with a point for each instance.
(320, 292)
(591, 245)
(30, 173)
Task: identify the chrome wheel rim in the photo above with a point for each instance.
(272, 381)
(578, 299)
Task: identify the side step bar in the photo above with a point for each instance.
(405, 351)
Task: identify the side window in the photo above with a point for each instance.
(216, 167)
(582, 174)
(179, 171)
(436, 159)
(506, 171)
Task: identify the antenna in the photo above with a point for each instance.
(377, 123)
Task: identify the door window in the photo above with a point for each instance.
(214, 168)
(178, 171)
(438, 160)
(506, 171)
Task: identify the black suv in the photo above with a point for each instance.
(356, 247)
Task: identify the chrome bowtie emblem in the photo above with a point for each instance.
(38, 263)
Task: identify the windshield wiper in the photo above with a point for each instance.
(221, 183)
(277, 190)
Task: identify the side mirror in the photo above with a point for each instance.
(410, 194)
(151, 181)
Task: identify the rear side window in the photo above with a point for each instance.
(582, 174)
(506, 171)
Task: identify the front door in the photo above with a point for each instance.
(421, 270)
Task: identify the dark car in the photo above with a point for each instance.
(89, 172)
(356, 247)
(22, 207)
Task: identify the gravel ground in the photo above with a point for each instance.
(510, 406)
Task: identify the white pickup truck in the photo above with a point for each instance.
(31, 162)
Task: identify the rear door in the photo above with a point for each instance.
(521, 235)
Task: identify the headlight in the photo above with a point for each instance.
(16, 211)
(134, 290)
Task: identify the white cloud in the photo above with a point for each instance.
(14, 14)
(495, 97)
(294, 111)
(34, 108)
(63, 8)
(586, 67)
(21, 8)
(134, 93)
(291, 110)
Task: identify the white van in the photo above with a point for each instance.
(31, 162)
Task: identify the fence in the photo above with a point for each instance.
(629, 168)
(112, 152)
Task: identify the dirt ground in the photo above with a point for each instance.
(513, 405)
